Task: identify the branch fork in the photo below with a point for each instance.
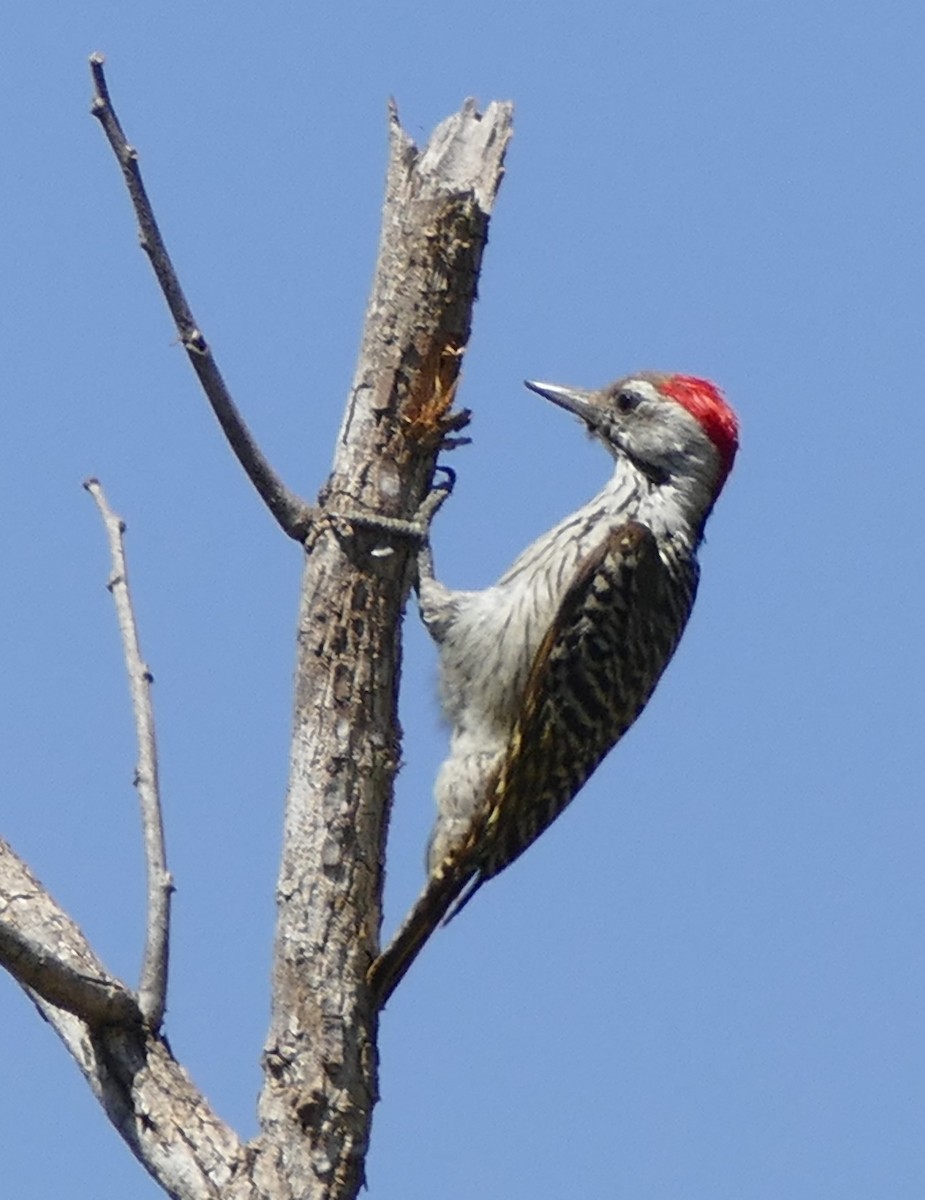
(320, 1061)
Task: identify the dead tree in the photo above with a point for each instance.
(359, 540)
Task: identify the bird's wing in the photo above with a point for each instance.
(613, 635)
(616, 629)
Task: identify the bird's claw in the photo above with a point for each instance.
(418, 528)
(432, 502)
(450, 474)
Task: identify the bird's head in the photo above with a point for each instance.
(675, 429)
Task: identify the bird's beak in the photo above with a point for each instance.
(573, 400)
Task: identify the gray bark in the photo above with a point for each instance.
(320, 1058)
(320, 1061)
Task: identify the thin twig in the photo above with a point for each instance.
(292, 513)
(98, 1001)
(152, 987)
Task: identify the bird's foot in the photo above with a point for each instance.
(417, 529)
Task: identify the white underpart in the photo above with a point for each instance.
(489, 639)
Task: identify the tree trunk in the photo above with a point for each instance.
(320, 1058)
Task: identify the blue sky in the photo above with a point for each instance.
(707, 979)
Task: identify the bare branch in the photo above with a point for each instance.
(152, 987)
(320, 1058)
(292, 513)
(45, 951)
(147, 1096)
(97, 1000)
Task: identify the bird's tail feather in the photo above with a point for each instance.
(437, 901)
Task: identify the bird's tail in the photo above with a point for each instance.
(436, 902)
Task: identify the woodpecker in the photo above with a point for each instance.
(542, 673)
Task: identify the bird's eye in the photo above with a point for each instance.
(626, 400)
